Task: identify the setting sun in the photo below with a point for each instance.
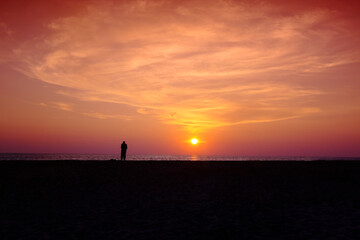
(194, 141)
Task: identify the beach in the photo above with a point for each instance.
(179, 200)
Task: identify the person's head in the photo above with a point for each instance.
(123, 141)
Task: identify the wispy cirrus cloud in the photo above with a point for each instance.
(192, 64)
(70, 108)
(107, 116)
(62, 106)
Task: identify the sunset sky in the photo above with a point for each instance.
(269, 78)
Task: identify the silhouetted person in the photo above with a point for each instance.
(123, 150)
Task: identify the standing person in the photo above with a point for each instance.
(123, 150)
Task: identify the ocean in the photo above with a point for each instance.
(104, 157)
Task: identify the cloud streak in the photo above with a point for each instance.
(192, 64)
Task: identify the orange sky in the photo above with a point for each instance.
(245, 77)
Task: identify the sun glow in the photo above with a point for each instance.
(194, 141)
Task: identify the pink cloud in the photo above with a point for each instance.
(193, 64)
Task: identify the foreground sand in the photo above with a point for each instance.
(179, 200)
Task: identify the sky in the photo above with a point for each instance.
(247, 78)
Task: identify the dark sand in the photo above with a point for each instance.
(179, 200)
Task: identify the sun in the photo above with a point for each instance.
(194, 141)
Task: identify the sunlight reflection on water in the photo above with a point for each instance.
(194, 158)
(57, 156)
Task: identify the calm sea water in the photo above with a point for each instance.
(103, 157)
